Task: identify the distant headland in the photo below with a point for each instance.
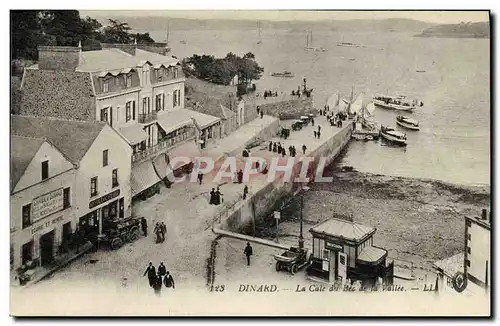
(462, 30)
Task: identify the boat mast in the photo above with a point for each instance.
(168, 32)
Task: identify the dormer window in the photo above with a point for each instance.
(176, 72)
(105, 85)
(128, 81)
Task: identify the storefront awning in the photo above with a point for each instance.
(160, 165)
(133, 134)
(188, 149)
(143, 177)
(372, 255)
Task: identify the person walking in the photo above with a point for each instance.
(248, 252)
(319, 134)
(240, 176)
(169, 281)
(304, 149)
(319, 128)
(245, 192)
(312, 122)
(270, 146)
(157, 232)
(157, 284)
(151, 272)
(314, 134)
(163, 231)
(218, 197)
(275, 148)
(200, 177)
(162, 270)
(261, 114)
(212, 197)
(144, 226)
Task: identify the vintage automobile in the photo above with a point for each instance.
(116, 232)
(297, 125)
(293, 260)
(285, 133)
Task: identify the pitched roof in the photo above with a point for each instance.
(72, 138)
(22, 151)
(116, 60)
(343, 229)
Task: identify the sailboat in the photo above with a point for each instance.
(309, 44)
(347, 44)
(259, 41)
(168, 49)
(366, 128)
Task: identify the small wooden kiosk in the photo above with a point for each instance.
(344, 250)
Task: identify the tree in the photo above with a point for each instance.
(143, 38)
(223, 70)
(117, 32)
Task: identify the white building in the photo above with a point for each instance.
(77, 163)
(474, 263)
(135, 89)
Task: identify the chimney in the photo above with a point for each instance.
(58, 57)
(128, 48)
(484, 214)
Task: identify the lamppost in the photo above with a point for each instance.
(301, 236)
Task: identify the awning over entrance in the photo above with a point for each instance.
(372, 255)
(160, 165)
(173, 120)
(133, 134)
(143, 177)
(188, 149)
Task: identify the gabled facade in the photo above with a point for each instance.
(41, 200)
(73, 180)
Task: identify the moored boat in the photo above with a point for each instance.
(399, 103)
(408, 123)
(285, 73)
(393, 136)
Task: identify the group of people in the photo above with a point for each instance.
(325, 109)
(160, 231)
(317, 134)
(270, 94)
(216, 197)
(277, 148)
(159, 278)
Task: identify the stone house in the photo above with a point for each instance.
(137, 89)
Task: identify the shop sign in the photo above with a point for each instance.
(105, 198)
(47, 224)
(333, 246)
(47, 204)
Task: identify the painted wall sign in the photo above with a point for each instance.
(46, 225)
(104, 198)
(47, 204)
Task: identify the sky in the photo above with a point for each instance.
(440, 17)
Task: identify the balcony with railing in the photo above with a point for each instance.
(162, 146)
(147, 117)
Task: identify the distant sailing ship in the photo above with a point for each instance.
(309, 44)
(348, 44)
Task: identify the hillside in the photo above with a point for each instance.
(384, 25)
(462, 30)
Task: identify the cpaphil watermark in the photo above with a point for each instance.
(302, 169)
